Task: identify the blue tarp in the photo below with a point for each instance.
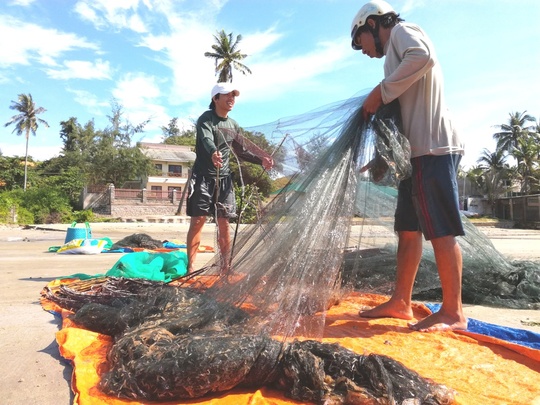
(521, 337)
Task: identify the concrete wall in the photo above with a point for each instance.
(106, 203)
(130, 208)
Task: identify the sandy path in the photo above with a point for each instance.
(33, 371)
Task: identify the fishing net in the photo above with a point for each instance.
(328, 230)
(138, 240)
(308, 143)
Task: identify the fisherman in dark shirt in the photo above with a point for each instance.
(211, 187)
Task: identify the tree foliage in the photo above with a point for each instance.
(249, 173)
(307, 154)
(515, 161)
(69, 180)
(11, 172)
(527, 155)
(512, 132)
(11, 211)
(101, 156)
(496, 175)
(173, 135)
(249, 203)
(519, 138)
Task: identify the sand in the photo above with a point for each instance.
(33, 372)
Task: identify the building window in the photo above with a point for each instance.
(175, 170)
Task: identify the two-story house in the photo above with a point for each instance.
(173, 163)
(155, 195)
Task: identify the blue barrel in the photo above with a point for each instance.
(75, 232)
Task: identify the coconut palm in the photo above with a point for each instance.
(516, 129)
(536, 127)
(476, 176)
(25, 122)
(494, 161)
(528, 156)
(227, 56)
(520, 139)
(495, 174)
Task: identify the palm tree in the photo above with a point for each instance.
(476, 177)
(25, 122)
(227, 56)
(495, 174)
(528, 156)
(494, 161)
(513, 131)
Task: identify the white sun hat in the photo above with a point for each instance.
(224, 88)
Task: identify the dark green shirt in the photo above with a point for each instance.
(217, 133)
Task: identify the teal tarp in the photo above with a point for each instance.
(152, 266)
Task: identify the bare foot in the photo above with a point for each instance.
(389, 309)
(440, 322)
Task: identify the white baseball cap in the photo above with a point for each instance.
(224, 88)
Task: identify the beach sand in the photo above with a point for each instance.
(33, 372)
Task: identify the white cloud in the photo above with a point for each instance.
(79, 69)
(86, 13)
(139, 95)
(35, 43)
(136, 89)
(90, 101)
(276, 75)
(259, 42)
(193, 74)
(135, 23)
(181, 36)
(23, 3)
(118, 14)
(187, 33)
(183, 53)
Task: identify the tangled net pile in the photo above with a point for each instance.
(261, 324)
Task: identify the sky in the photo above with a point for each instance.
(78, 57)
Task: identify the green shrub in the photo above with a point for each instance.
(11, 211)
(7, 205)
(47, 205)
(84, 216)
(249, 204)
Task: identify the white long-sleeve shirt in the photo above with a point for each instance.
(413, 75)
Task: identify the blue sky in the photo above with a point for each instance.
(75, 57)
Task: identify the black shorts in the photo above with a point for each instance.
(202, 192)
(428, 200)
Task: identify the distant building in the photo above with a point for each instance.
(151, 198)
(173, 162)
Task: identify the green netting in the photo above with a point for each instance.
(152, 266)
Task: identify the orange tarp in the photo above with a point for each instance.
(481, 369)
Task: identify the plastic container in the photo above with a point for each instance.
(78, 232)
